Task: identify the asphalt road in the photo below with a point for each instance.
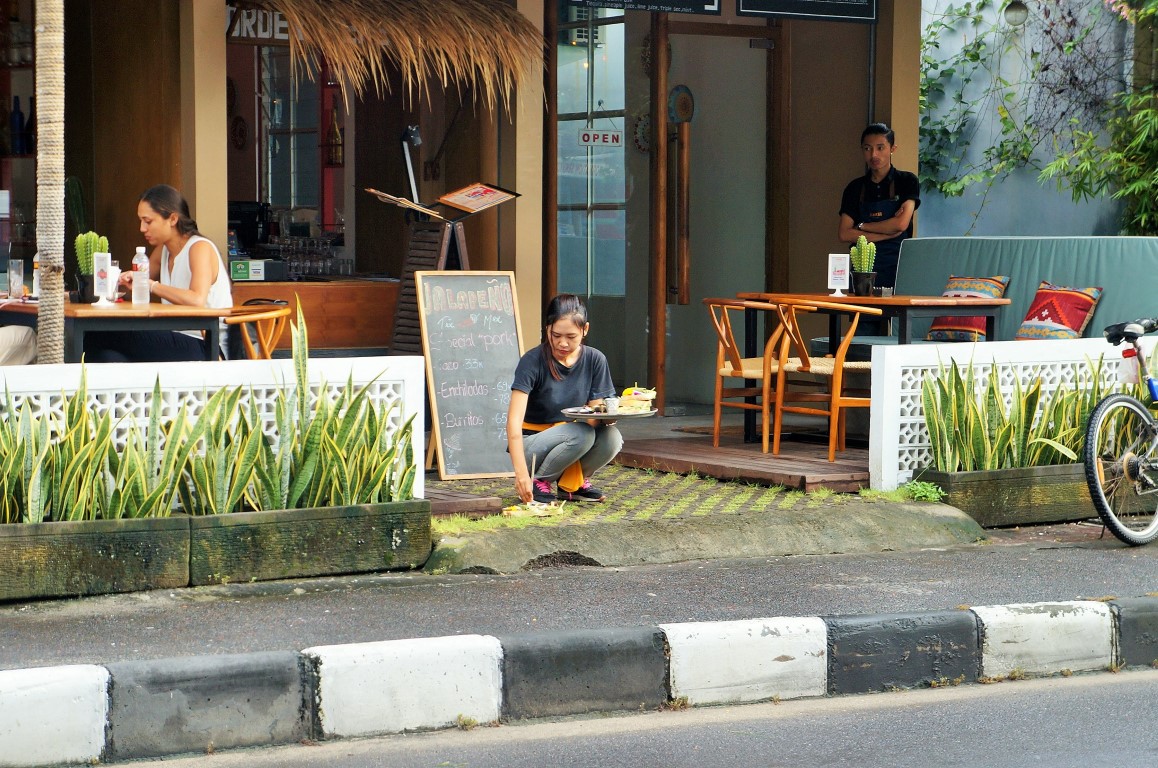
(1061, 563)
(1060, 722)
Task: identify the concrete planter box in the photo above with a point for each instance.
(281, 544)
(96, 557)
(1003, 497)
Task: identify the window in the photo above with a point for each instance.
(289, 172)
(592, 186)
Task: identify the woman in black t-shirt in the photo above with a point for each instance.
(560, 373)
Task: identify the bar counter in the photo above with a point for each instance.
(340, 312)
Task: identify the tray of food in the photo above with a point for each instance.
(635, 401)
(586, 412)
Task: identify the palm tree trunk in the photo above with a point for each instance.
(50, 177)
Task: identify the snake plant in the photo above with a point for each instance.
(327, 452)
(972, 426)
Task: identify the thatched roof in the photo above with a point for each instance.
(484, 43)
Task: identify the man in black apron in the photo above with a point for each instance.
(880, 204)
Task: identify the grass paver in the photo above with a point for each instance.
(638, 494)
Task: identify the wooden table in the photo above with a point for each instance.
(903, 308)
(80, 319)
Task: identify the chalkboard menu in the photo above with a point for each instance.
(837, 10)
(472, 342)
(707, 7)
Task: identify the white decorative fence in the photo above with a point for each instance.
(126, 390)
(898, 440)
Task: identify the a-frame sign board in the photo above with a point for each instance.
(434, 245)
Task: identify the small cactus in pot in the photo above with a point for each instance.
(864, 255)
(86, 245)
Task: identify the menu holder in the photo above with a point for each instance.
(437, 242)
(477, 197)
(409, 205)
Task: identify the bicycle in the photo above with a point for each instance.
(1121, 450)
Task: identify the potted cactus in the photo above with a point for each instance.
(864, 256)
(87, 244)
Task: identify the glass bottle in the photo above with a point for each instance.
(5, 127)
(29, 141)
(16, 125)
(334, 154)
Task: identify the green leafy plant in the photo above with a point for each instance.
(86, 245)
(972, 427)
(327, 452)
(219, 472)
(919, 490)
(863, 254)
(1121, 161)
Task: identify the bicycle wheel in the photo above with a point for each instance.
(1121, 458)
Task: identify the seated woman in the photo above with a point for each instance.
(184, 268)
(560, 373)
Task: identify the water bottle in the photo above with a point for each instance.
(140, 276)
(141, 260)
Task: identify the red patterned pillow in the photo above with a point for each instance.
(948, 328)
(1058, 312)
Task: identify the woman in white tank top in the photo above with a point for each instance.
(184, 268)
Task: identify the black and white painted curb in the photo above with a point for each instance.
(86, 713)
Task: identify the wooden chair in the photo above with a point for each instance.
(793, 358)
(266, 324)
(730, 364)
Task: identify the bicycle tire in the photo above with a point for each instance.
(1121, 445)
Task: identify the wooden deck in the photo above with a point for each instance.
(445, 502)
(802, 465)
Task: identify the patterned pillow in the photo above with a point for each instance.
(949, 328)
(1058, 312)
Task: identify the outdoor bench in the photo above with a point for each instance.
(1123, 267)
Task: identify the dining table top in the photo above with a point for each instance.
(125, 309)
(896, 300)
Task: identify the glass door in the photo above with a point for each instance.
(591, 135)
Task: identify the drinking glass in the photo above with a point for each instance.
(16, 278)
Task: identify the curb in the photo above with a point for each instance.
(88, 713)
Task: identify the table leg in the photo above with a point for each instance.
(904, 332)
(214, 334)
(833, 334)
(990, 325)
(73, 341)
(750, 350)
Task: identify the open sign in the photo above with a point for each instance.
(589, 137)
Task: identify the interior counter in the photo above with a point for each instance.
(341, 312)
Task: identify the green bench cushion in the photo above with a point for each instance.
(1126, 268)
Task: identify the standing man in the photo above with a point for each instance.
(880, 204)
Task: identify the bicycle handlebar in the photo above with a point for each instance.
(1130, 331)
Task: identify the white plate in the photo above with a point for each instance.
(583, 412)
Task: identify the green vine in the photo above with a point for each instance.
(1122, 160)
(1026, 82)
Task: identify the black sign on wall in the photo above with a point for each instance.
(705, 7)
(836, 10)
